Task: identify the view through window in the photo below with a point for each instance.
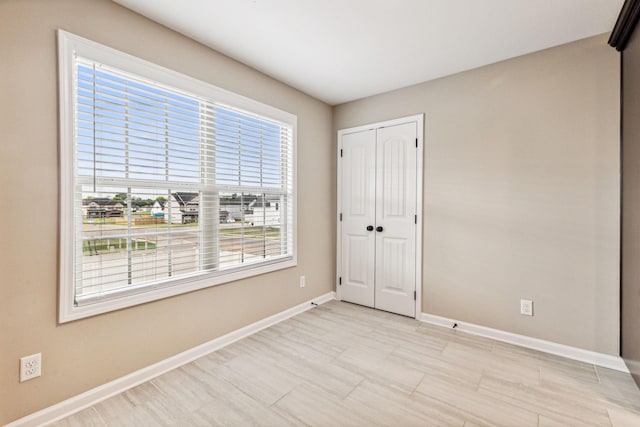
(172, 185)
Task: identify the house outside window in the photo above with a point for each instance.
(169, 184)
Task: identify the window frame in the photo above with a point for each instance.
(70, 45)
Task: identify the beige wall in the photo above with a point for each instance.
(521, 191)
(87, 353)
(630, 289)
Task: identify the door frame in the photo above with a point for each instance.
(418, 119)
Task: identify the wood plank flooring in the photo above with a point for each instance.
(345, 365)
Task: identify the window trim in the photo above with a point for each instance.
(70, 45)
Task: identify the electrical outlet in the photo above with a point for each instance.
(526, 307)
(30, 367)
(303, 281)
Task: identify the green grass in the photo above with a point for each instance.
(255, 232)
(100, 246)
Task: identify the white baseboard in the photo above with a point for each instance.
(100, 393)
(600, 359)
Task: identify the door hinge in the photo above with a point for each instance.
(340, 281)
(340, 216)
(415, 218)
(414, 295)
(341, 152)
(416, 142)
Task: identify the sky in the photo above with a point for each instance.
(147, 132)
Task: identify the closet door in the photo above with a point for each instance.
(396, 210)
(358, 193)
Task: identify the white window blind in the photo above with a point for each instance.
(171, 187)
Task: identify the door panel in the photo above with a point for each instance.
(357, 274)
(391, 272)
(358, 212)
(396, 208)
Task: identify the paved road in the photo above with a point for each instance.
(187, 236)
(109, 270)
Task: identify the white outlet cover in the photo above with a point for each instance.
(526, 307)
(30, 367)
(303, 281)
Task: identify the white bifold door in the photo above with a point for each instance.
(378, 211)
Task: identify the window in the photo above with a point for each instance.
(168, 184)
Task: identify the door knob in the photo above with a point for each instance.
(369, 227)
(379, 228)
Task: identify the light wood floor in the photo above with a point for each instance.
(341, 364)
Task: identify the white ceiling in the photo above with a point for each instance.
(341, 50)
